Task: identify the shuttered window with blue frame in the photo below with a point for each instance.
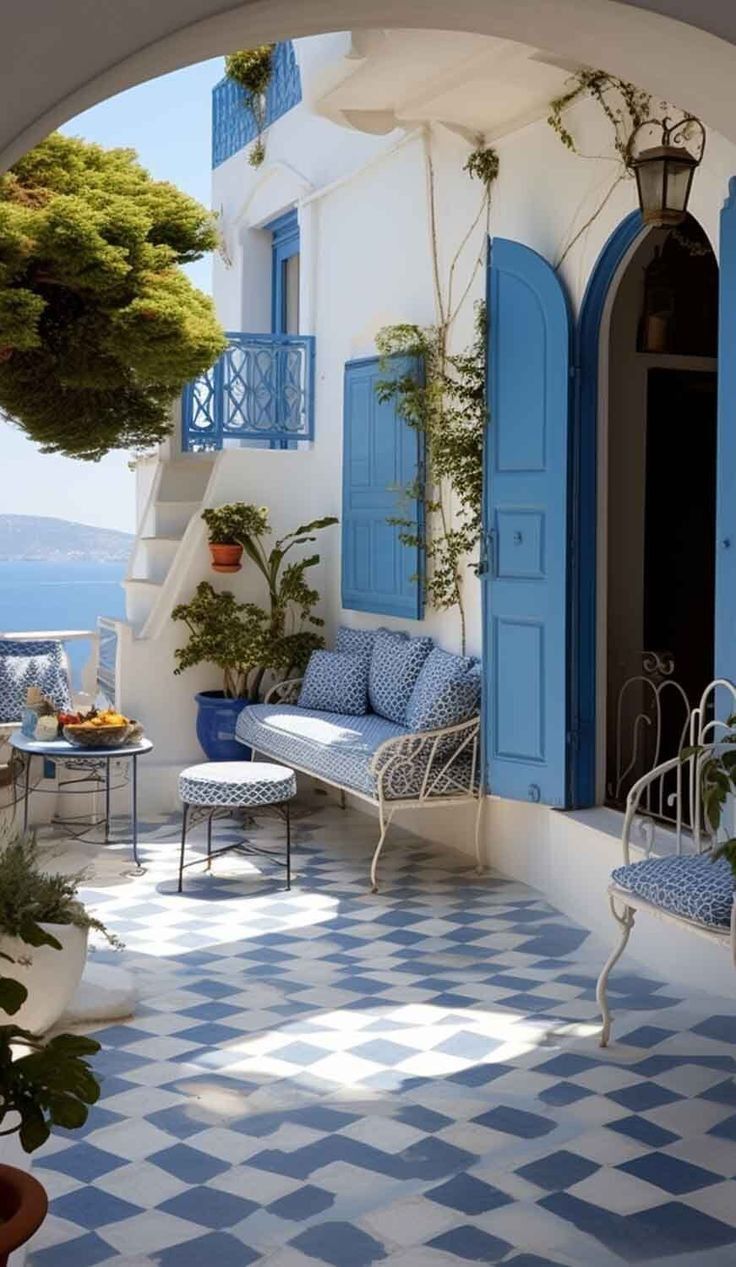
(382, 457)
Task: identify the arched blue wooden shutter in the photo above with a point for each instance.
(725, 648)
(526, 489)
(381, 457)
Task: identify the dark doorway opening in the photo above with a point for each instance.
(661, 495)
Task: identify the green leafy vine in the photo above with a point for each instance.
(625, 108)
(447, 406)
(252, 69)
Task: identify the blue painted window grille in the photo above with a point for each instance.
(261, 388)
(233, 126)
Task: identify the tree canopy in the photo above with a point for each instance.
(99, 326)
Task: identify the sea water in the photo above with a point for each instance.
(64, 595)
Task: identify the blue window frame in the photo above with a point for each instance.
(285, 274)
(284, 284)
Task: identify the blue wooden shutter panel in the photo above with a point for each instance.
(526, 479)
(725, 648)
(381, 455)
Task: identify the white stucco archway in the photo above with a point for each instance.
(58, 59)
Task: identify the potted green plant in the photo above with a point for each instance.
(247, 642)
(42, 1085)
(42, 910)
(226, 527)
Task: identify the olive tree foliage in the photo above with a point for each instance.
(99, 326)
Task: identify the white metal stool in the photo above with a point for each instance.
(216, 788)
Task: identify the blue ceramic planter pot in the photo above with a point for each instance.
(216, 718)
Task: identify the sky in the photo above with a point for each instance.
(168, 122)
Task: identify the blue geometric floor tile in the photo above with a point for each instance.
(312, 1078)
(83, 1251)
(189, 1164)
(468, 1195)
(642, 1130)
(302, 1204)
(339, 1244)
(216, 1250)
(670, 1174)
(84, 1162)
(209, 1207)
(93, 1208)
(516, 1122)
(472, 1244)
(557, 1171)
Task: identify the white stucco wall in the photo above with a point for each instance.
(365, 262)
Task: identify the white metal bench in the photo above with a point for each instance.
(415, 770)
(684, 886)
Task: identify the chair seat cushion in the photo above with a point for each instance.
(690, 886)
(236, 784)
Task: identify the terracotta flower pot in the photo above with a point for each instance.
(23, 1207)
(226, 558)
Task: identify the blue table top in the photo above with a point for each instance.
(59, 749)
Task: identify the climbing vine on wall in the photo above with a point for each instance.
(447, 406)
(252, 69)
(624, 106)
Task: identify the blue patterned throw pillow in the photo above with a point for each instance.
(446, 693)
(24, 664)
(335, 682)
(355, 641)
(395, 665)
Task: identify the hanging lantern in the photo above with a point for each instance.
(664, 173)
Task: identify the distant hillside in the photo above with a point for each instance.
(27, 537)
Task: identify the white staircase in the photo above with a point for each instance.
(176, 496)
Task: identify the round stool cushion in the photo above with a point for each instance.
(233, 784)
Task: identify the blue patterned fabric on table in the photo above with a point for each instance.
(690, 886)
(446, 692)
(355, 641)
(336, 682)
(26, 664)
(396, 663)
(236, 784)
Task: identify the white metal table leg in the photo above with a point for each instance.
(625, 922)
(478, 820)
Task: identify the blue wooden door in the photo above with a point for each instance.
(381, 459)
(526, 517)
(725, 648)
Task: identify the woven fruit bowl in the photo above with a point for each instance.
(86, 736)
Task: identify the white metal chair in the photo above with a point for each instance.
(682, 885)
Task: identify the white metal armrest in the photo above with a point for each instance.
(434, 753)
(285, 692)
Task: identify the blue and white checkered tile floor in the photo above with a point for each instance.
(410, 1079)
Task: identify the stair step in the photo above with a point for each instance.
(171, 517)
(140, 597)
(155, 556)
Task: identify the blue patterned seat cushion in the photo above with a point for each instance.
(691, 886)
(236, 784)
(334, 747)
(336, 682)
(24, 664)
(396, 662)
(446, 692)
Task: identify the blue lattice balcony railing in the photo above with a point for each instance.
(233, 126)
(261, 388)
